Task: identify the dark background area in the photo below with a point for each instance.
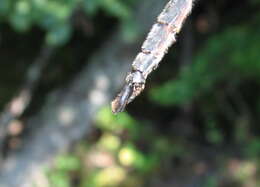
(196, 123)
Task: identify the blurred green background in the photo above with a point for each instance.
(197, 122)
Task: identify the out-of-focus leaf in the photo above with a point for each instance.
(253, 148)
(59, 35)
(130, 30)
(5, 6)
(130, 156)
(228, 56)
(67, 163)
(109, 142)
(116, 123)
(213, 134)
(54, 15)
(111, 176)
(59, 179)
(90, 6)
(21, 19)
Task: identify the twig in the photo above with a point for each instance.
(160, 38)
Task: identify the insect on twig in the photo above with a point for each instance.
(159, 39)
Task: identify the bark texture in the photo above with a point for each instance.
(160, 38)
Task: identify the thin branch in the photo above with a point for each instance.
(159, 39)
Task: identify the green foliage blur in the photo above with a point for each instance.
(127, 152)
(114, 158)
(236, 47)
(220, 88)
(55, 16)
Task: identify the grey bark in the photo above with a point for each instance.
(68, 112)
(160, 38)
(20, 102)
